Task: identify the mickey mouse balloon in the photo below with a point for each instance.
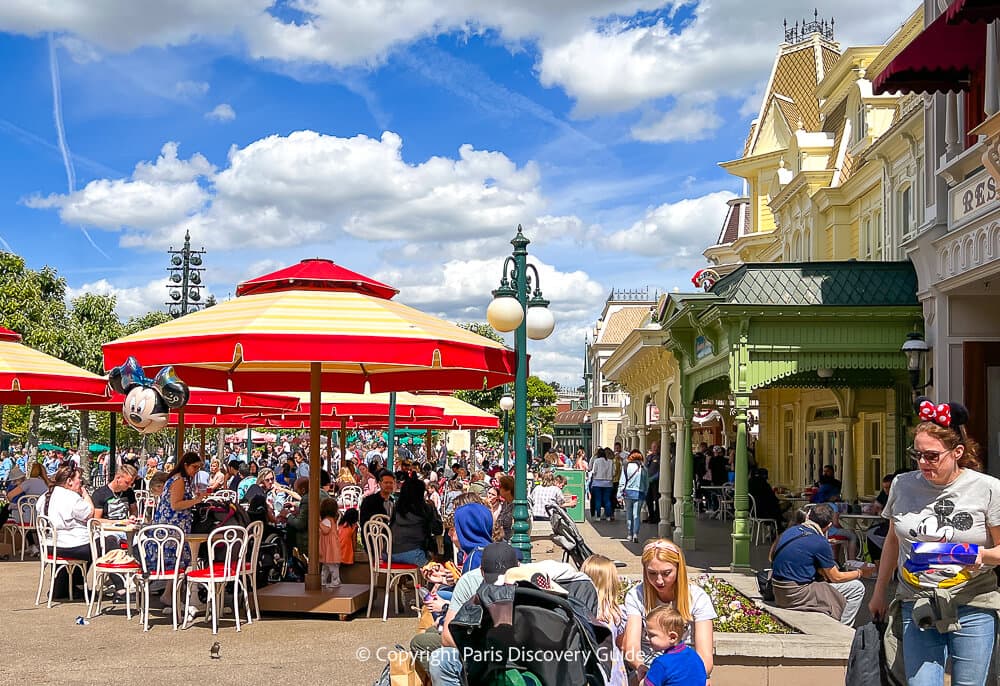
(148, 402)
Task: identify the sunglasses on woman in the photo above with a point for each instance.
(928, 456)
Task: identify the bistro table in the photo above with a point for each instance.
(194, 542)
(859, 524)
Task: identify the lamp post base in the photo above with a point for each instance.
(521, 540)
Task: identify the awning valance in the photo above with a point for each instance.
(973, 10)
(942, 58)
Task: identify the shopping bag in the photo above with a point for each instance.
(402, 670)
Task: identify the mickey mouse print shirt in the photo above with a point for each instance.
(959, 512)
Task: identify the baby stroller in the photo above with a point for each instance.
(550, 637)
(568, 537)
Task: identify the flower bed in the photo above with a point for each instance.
(737, 613)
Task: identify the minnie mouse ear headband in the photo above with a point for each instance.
(949, 415)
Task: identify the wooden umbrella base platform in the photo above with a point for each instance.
(293, 597)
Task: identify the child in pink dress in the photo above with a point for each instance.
(329, 544)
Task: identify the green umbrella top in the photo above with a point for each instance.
(49, 446)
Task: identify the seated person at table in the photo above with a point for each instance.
(115, 501)
(876, 534)
(69, 507)
(768, 505)
(412, 524)
(800, 555)
(379, 502)
(829, 486)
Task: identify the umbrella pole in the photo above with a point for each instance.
(342, 436)
(427, 446)
(202, 444)
(179, 449)
(315, 398)
(390, 452)
(113, 448)
(249, 444)
(329, 452)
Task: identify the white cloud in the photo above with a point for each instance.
(80, 51)
(688, 121)
(190, 89)
(724, 48)
(678, 231)
(305, 187)
(130, 301)
(160, 193)
(604, 55)
(459, 290)
(223, 112)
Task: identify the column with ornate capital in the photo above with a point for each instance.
(665, 527)
(680, 488)
(687, 469)
(741, 501)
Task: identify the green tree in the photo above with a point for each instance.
(33, 303)
(92, 323)
(146, 321)
(488, 399)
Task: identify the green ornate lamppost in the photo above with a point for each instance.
(513, 310)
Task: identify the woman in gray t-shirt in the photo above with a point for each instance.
(946, 500)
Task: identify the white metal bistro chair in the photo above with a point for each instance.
(49, 560)
(255, 535)
(22, 521)
(350, 497)
(377, 537)
(156, 544)
(758, 525)
(100, 571)
(227, 551)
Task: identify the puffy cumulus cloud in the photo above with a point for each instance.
(460, 289)
(616, 65)
(130, 301)
(677, 231)
(689, 120)
(610, 55)
(223, 112)
(336, 32)
(160, 193)
(304, 187)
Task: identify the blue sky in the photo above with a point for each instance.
(406, 142)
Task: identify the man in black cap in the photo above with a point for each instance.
(445, 664)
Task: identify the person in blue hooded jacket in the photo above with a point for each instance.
(474, 531)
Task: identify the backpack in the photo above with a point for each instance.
(866, 663)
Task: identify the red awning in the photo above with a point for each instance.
(973, 10)
(942, 58)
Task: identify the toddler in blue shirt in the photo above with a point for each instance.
(678, 663)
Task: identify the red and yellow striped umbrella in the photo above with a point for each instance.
(266, 339)
(319, 327)
(28, 376)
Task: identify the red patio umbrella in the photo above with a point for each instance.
(28, 376)
(319, 327)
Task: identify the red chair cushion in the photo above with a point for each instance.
(219, 570)
(401, 566)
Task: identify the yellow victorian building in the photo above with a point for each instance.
(807, 300)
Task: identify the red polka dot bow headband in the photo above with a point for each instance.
(939, 414)
(950, 415)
